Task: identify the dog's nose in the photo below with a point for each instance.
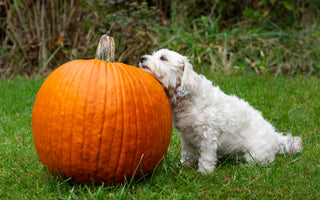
(142, 59)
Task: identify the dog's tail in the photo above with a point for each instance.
(289, 144)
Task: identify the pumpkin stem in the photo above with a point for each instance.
(106, 49)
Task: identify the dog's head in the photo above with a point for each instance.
(172, 70)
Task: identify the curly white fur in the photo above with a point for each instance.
(211, 121)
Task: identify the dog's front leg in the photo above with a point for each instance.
(188, 152)
(208, 155)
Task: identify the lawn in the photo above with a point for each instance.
(291, 104)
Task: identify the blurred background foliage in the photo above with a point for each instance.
(263, 36)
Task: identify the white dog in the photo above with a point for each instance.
(212, 122)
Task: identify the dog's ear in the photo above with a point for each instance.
(188, 79)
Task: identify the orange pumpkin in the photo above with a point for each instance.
(98, 121)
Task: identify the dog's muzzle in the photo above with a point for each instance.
(144, 66)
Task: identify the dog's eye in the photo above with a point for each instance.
(163, 58)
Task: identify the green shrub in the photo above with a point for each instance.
(259, 35)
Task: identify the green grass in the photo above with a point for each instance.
(291, 104)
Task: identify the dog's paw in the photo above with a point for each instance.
(187, 162)
(206, 169)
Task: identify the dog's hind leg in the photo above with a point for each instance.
(283, 144)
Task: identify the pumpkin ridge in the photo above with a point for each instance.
(117, 77)
(87, 140)
(52, 114)
(133, 80)
(76, 73)
(122, 93)
(105, 138)
(153, 119)
(162, 117)
(155, 125)
(102, 67)
(139, 155)
(165, 117)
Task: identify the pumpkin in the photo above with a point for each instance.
(99, 121)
